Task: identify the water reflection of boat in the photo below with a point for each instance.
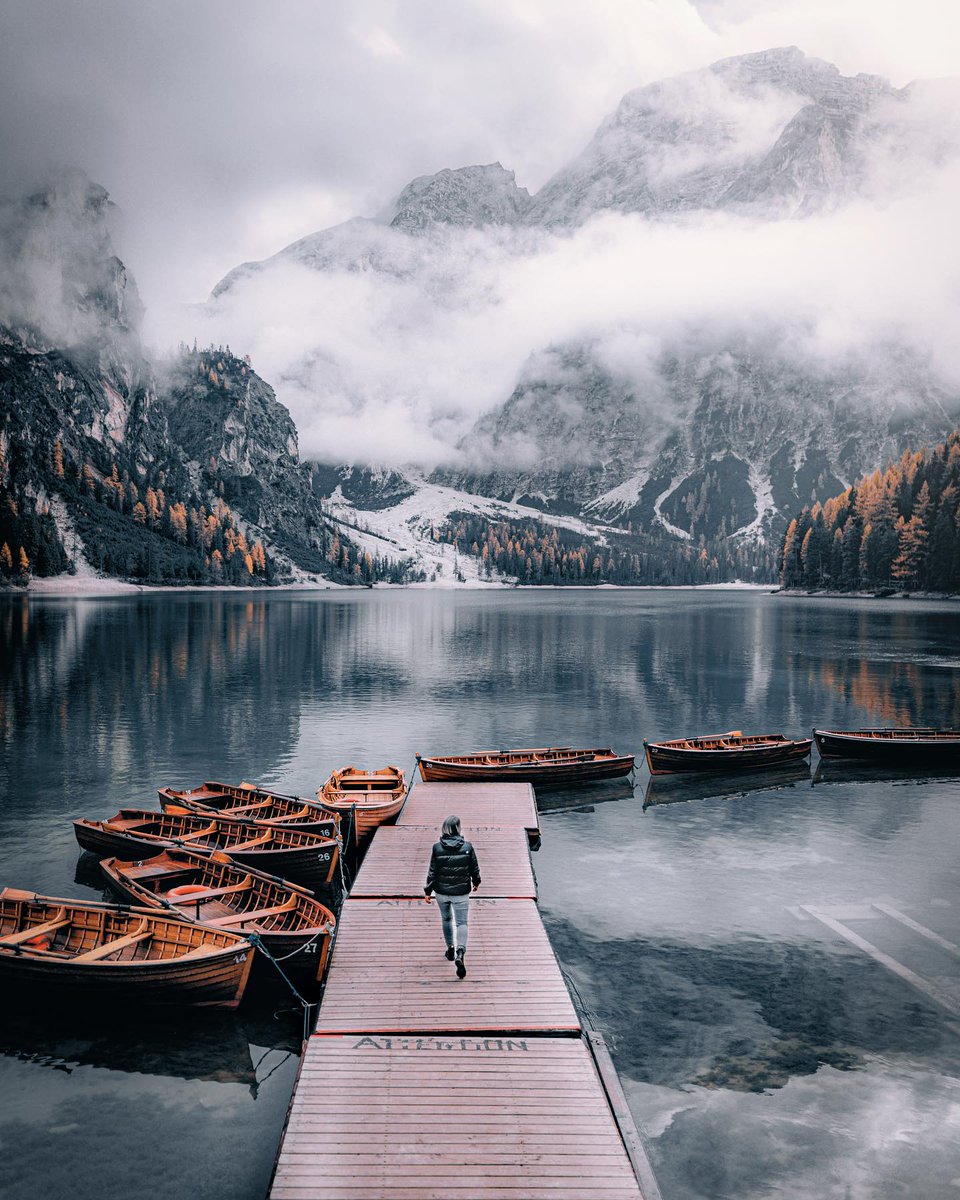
(834, 770)
(602, 793)
(677, 789)
(903, 745)
(732, 751)
(212, 1047)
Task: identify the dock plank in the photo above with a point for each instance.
(501, 804)
(396, 863)
(388, 973)
(349, 1133)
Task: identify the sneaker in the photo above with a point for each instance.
(450, 953)
(461, 969)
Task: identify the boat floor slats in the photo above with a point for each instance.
(545, 1143)
(501, 804)
(396, 863)
(388, 972)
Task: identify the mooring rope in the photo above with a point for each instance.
(256, 941)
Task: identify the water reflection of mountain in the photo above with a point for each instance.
(217, 1048)
(679, 789)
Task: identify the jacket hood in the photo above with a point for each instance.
(452, 842)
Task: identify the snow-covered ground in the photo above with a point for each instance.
(406, 530)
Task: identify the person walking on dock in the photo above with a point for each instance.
(453, 871)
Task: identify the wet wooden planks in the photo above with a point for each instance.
(396, 863)
(388, 972)
(502, 804)
(380, 1117)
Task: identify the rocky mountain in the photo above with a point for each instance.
(186, 470)
(776, 133)
(471, 197)
(723, 429)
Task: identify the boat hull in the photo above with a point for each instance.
(237, 804)
(304, 951)
(313, 865)
(211, 975)
(573, 772)
(672, 760)
(368, 815)
(908, 746)
(367, 798)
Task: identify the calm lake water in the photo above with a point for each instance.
(762, 1053)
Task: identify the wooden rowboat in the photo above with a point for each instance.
(373, 797)
(244, 802)
(73, 950)
(135, 833)
(724, 752)
(932, 746)
(212, 889)
(557, 766)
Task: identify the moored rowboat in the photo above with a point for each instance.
(555, 766)
(212, 889)
(135, 833)
(373, 797)
(724, 752)
(244, 802)
(72, 950)
(933, 746)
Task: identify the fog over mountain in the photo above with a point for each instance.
(732, 295)
(750, 265)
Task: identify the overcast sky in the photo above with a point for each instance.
(226, 128)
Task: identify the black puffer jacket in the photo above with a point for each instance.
(453, 868)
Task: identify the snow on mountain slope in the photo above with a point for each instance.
(406, 529)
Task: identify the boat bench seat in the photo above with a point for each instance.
(208, 893)
(257, 841)
(256, 913)
(131, 939)
(25, 935)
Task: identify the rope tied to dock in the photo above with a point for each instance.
(257, 942)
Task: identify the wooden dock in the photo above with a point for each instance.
(396, 862)
(420, 1086)
(504, 805)
(389, 974)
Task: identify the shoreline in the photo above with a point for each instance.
(828, 594)
(90, 586)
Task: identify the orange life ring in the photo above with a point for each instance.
(40, 942)
(187, 889)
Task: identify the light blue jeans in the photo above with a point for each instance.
(454, 915)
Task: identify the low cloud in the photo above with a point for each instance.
(396, 366)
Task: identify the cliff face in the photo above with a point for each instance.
(732, 440)
(471, 197)
(89, 425)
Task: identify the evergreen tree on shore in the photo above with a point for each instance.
(897, 528)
